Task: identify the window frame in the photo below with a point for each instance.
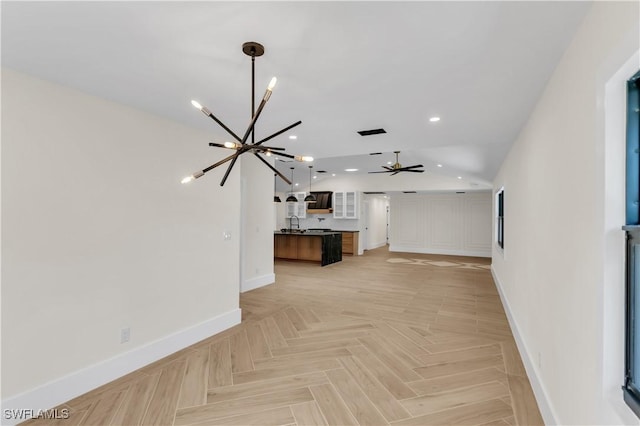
(631, 388)
(499, 219)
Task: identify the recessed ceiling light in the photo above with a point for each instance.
(350, 170)
(389, 162)
(333, 174)
(315, 177)
(296, 184)
(459, 177)
(293, 137)
(434, 119)
(439, 165)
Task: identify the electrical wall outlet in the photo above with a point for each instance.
(125, 335)
(540, 360)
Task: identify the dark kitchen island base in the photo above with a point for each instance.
(323, 247)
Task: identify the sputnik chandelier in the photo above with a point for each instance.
(241, 145)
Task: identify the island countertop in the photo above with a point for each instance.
(307, 234)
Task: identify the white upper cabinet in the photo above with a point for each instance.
(345, 205)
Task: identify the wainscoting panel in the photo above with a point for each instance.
(477, 232)
(457, 224)
(408, 224)
(443, 216)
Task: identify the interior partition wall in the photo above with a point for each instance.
(442, 223)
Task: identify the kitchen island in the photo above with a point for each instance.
(322, 247)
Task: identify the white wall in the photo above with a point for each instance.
(561, 275)
(257, 224)
(452, 224)
(99, 234)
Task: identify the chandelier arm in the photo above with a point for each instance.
(282, 154)
(233, 161)
(219, 145)
(231, 132)
(253, 121)
(273, 168)
(260, 142)
(266, 148)
(213, 166)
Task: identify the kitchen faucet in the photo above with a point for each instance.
(297, 222)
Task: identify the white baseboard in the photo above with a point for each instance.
(377, 245)
(542, 398)
(82, 381)
(472, 253)
(257, 282)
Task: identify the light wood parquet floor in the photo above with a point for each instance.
(384, 338)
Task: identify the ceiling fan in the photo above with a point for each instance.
(397, 167)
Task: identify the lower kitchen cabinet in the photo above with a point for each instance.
(323, 247)
(350, 242)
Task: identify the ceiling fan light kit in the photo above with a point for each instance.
(241, 144)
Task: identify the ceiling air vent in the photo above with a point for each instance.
(375, 193)
(410, 192)
(321, 171)
(375, 153)
(371, 132)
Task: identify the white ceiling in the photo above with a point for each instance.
(341, 67)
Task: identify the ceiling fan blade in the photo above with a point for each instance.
(413, 171)
(260, 142)
(388, 168)
(273, 168)
(394, 173)
(413, 167)
(385, 171)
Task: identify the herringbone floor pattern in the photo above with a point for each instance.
(372, 340)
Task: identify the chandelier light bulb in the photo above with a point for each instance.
(268, 153)
(230, 145)
(306, 158)
(197, 105)
(272, 84)
(193, 177)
